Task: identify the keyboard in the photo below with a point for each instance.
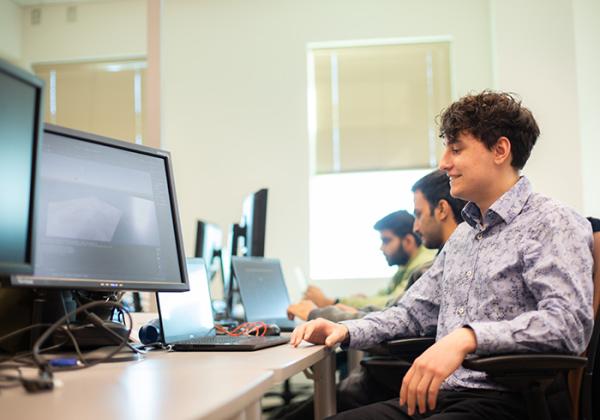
(226, 339)
(228, 343)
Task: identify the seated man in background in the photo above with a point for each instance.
(400, 246)
(437, 214)
(516, 277)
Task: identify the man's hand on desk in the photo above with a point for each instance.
(318, 297)
(422, 382)
(301, 309)
(320, 331)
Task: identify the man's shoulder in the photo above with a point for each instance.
(553, 214)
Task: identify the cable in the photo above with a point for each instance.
(22, 330)
(246, 328)
(45, 367)
(121, 311)
(44, 381)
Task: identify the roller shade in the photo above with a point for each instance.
(376, 106)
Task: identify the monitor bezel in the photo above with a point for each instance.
(110, 284)
(11, 268)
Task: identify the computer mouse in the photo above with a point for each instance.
(273, 329)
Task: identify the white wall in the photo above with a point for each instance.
(535, 57)
(234, 79)
(10, 31)
(234, 98)
(112, 29)
(587, 54)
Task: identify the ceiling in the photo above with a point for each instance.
(25, 3)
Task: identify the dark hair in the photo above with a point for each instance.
(489, 116)
(400, 222)
(435, 186)
(595, 224)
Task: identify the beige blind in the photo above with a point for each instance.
(105, 98)
(376, 106)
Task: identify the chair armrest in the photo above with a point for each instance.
(517, 363)
(521, 371)
(409, 346)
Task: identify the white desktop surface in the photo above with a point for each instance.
(154, 388)
(284, 360)
(177, 385)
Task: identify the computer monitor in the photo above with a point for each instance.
(251, 232)
(247, 238)
(107, 217)
(253, 223)
(20, 133)
(209, 241)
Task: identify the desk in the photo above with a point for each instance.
(178, 385)
(283, 361)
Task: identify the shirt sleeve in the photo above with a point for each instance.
(557, 261)
(415, 314)
(333, 314)
(359, 302)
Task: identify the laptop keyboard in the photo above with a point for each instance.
(227, 339)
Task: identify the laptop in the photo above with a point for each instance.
(187, 323)
(263, 291)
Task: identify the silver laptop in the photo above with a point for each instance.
(187, 322)
(263, 291)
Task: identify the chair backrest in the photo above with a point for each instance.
(581, 381)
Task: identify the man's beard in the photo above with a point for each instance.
(400, 257)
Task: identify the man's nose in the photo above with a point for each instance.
(445, 161)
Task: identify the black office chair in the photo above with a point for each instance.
(530, 374)
(533, 373)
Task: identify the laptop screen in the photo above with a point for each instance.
(262, 288)
(186, 315)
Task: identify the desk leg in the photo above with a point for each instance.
(324, 372)
(252, 412)
(354, 358)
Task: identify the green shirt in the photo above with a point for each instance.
(397, 284)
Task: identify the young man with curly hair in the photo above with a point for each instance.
(516, 277)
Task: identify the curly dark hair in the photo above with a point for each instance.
(488, 116)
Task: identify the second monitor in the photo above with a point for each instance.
(107, 217)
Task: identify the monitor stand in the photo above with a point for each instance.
(51, 305)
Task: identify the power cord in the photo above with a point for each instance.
(257, 328)
(44, 381)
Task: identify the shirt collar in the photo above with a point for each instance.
(505, 208)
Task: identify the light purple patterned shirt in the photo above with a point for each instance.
(521, 279)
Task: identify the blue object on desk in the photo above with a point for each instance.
(62, 362)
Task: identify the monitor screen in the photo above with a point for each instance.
(187, 315)
(20, 123)
(262, 288)
(106, 216)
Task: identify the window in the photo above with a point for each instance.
(372, 111)
(343, 210)
(100, 97)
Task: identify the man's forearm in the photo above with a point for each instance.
(334, 314)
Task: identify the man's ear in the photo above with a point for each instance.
(409, 242)
(443, 210)
(502, 151)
